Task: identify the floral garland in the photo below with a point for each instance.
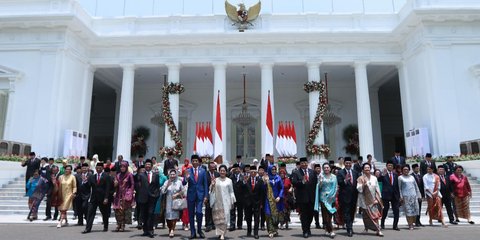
(311, 148)
(171, 88)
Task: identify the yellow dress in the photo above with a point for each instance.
(68, 185)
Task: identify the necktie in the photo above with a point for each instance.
(149, 178)
(306, 174)
(253, 183)
(98, 178)
(391, 178)
(350, 175)
(196, 175)
(428, 163)
(443, 180)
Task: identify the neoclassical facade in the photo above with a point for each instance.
(391, 68)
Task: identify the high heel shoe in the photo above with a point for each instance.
(380, 234)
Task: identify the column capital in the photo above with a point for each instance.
(128, 66)
(266, 64)
(173, 66)
(399, 65)
(219, 65)
(313, 63)
(361, 63)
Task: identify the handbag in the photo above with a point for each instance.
(179, 204)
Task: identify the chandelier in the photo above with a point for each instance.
(329, 117)
(244, 118)
(157, 120)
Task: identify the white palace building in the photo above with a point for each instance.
(396, 69)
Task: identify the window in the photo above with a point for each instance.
(3, 111)
(246, 141)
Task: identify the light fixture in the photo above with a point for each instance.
(157, 120)
(244, 118)
(329, 116)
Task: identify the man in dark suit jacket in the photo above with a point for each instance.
(237, 211)
(305, 180)
(52, 174)
(390, 195)
(449, 166)
(419, 181)
(83, 194)
(99, 185)
(253, 189)
(428, 162)
(32, 164)
(446, 189)
(148, 194)
(347, 187)
(211, 175)
(397, 159)
(197, 195)
(169, 163)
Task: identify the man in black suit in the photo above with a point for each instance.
(118, 163)
(428, 162)
(317, 169)
(253, 197)
(268, 161)
(52, 174)
(211, 175)
(32, 164)
(357, 165)
(390, 195)
(99, 185)
(449, 166)
(140, 161)
(236, 213)
(305, 181)
(347, 187)
(83, 193)
(446, 189)
(139, 191)
(419, 181)
(397, 159)
(169, 163)
(261, 173)
(238, 160)
(149, 191)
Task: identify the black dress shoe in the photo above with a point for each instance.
(193, 236)
(47, 218)
(139, 227)
(256, 237)
(317, 226)
(453, 223)
(249, 234)
(105, 229)
(151, 236)
(231, 229)
(85, 231)
(382, 226)
(349, 234)
(200, 234)
(145, 234)
(396, 229)
(262, 228)
(208, 229)
(305, 235)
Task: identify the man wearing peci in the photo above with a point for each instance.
(99, 185)
(390, 195)
(347, 187)
(196, 178)
(149, 191)
(305, 180)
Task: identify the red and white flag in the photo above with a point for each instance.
(294, 136)
(218, 149)
(196, 139)
(201, 145)
(209, 140)
(288, 139)
(269, 128)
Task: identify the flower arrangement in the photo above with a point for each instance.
(460, 158)
(171, 88)
(12, 158)
(311, 148)
(287, 160)
(350, 135)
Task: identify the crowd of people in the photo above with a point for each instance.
(262, 195)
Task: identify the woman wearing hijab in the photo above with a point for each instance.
(122, 203)
(369, 200)
(172, 189)
(159, 207)
(287, 197)
(326, 192)
(67, 191)
(273, 202)
(221, 201)
(36, 190)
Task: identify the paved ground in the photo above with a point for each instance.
(49, 231)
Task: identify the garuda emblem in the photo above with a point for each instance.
(241, 17)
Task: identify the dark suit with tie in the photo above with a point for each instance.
(83, 194)
(148, 194)
(421, 187)
(305, 196)
(197, 192)
(390, 196)
(169, 164)
(253, 197)
(446, 190)
(48, 208)
(99, 188)
(398, 160)
(348, 195)
(236, 213)
(208, 210)
(32, 165)
(424, 164)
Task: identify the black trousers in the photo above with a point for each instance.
(105, 210)
(316, 216)
(447, 202)
(147, 213)
(262, 217)
(48, 209)
(81, 209)
(417, 222)
(252, 210)
(236, 213)
(395, 209)
(349, 209)
(306, 216)
(208, 217)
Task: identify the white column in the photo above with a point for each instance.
(219, 84)
(10, 107)
(87, 100)
(118, 98)
(363, 109)
(126, 112)
(404, 97)
(313, 100)
(266, 85)
(173, 77)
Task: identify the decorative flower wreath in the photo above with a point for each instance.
(312, 149)
(287, 160)
(171, 88)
